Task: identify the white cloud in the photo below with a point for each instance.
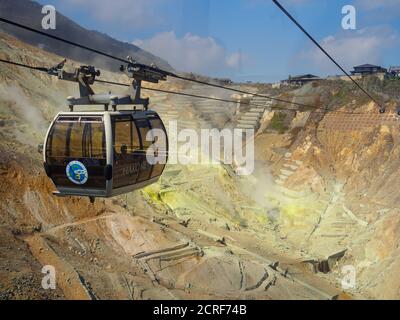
(191, 53)
(234, 60)
(366, 45)
(124, 13)
(379, 11)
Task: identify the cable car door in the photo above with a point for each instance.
(159, 149)
(154, 145)
(146, 138)
(126, 151)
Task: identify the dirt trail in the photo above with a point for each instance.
(68, 279)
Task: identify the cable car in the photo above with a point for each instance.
(104, 154)
(108, 152)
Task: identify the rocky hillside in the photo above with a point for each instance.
(323, 196)
(194, 234)
(340, 172)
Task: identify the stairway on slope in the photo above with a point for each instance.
(288, 168)
(251, 118)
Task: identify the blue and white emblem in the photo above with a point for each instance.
(76, 172)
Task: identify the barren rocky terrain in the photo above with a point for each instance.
(324, 195)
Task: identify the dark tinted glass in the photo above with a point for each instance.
(127, 153)
(82, 139)
(160, 146)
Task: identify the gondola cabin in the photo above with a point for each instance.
(105, 153)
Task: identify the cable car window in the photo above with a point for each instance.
(74, 139)
(91, 119)
(160, 146)
(126, 139)
(127, 151)
(145, 167)
(144, 128)
(58, 141)
(77, 139)
(68, 119)
(93, 140)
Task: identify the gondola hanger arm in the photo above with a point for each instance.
(84, 75)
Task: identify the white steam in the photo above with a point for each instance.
(23, 108)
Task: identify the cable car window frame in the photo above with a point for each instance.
(125, 118)
(67, 148)
(94, 159)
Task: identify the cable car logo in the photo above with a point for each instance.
(76, 172)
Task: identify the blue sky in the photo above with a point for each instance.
(247, 39)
